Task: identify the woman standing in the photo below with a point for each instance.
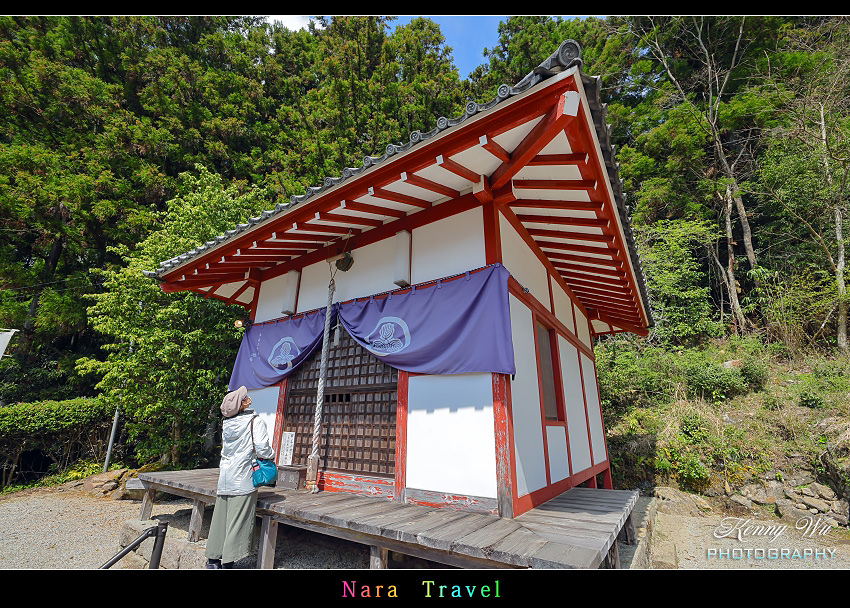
(236, 502)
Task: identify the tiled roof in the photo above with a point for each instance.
(567, 56)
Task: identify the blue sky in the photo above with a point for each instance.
(467, 35)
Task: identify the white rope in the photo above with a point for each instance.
(320, 394)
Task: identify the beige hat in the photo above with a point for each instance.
(233, 402)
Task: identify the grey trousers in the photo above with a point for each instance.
(232, 527)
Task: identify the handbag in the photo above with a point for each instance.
(263, 472)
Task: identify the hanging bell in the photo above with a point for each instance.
(345, 261)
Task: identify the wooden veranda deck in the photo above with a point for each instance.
(577, 529)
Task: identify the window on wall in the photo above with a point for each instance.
(552, 409)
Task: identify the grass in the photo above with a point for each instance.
(79, 470)
(724, 414)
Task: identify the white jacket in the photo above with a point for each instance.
(234, 478)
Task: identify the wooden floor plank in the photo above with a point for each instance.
(345, 517)
(408, 531)
(556, 555)
(442, 537)
(377, 523)
(476, 543)
(575, 529)
(517, 547)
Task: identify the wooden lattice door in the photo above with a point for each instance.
(358, 415)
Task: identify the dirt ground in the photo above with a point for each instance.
(727, 539)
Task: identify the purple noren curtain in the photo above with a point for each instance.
(449, 327)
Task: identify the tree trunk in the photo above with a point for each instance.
(732, 283)
(47, 275)
(841, 330)
(733, 192)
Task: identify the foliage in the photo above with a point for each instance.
(679, 297)
(61, 431)
(170, 356)
(127, 140)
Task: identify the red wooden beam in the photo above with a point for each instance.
(238, 292)
(347, 219)
(545, 160)
(305, 230)
(584, 259)
(374, 209)
(563, 220)
(427, 184)
(559, 205)
(586, 269)
(494, 148)
(555, 184)
(574, 236)
(594, 288)
(597, 282)
(636, 329)
(556, 119)
(592, 292)
(458, 169)
(398, 198)
(580, 248)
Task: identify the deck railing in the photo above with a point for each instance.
(158, 531)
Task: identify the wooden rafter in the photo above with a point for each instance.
(427, 184)
(373, 209)
(573, 236)
(494, 148)
(557, 205)
(397, 197)
(357, 220)
(564, 220)
(458, 169)
(547, 160)
(555, 184)
(542, 133)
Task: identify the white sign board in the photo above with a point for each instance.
(287, 445)
(5, 336)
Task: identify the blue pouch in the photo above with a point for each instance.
(263, 472)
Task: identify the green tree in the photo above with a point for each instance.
(170, 356)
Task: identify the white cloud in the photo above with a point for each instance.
(291, 22)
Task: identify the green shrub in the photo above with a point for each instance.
(694, 429)
(811, 399)
(709, 380)
(63, 431)
(692, 472)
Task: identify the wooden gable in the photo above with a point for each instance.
(539, 154)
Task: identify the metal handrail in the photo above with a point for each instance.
(158, 531)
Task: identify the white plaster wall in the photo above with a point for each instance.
(563, 305)
(270, 300)
(574, 404)
(372, 272)
(582, 329)
(594, 412)
(556, 445)
(521, 262)
(451, 445)
(447, 247)
(264, 403)
(525, 404)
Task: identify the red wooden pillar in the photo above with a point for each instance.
(505, 471)
(400, 480)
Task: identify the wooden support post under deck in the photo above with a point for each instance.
(378, 557)
(627, 533)
(196, 521)
(147, 503)
(268, 538)
(612, 560)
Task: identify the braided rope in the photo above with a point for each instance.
(323, 370)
